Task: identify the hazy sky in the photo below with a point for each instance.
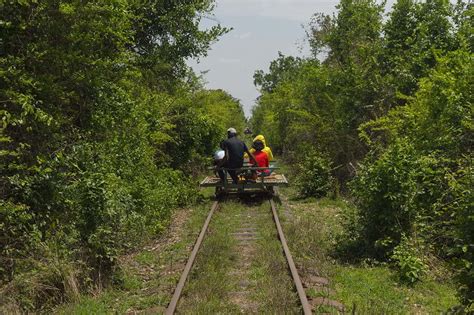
(261, 28)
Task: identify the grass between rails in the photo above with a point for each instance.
(240, 275)
(313, 228)
(207, 286)
(276, 292)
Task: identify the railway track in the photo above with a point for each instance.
(298, 286)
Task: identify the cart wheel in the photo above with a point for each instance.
(275, 192)
(219, 191)
(271, 190)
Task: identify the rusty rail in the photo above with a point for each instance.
(294, 272)
(291, 264)
(184, 276)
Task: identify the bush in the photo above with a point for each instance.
(408, 260)
(314, 175)
(89, 215)
(384, 190)
(98, 124)
(417, 179)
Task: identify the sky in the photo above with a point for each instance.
(261, 28)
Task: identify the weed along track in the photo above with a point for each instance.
(240, 263)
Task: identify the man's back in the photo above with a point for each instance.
(235, 148)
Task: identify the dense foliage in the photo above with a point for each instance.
(390, 106)
(419, 184)
(101, 123)
(314, 179)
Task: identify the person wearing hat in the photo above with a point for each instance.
(261, 159)
(266, 148)
(234, 149)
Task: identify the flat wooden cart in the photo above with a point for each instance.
(263, 183)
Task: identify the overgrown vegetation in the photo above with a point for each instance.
(148, 275)
(236, 272)
(315, 228)
(314, 179)
(390, 106)
(208, 286)
(102, 122)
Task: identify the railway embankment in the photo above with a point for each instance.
(145, 279)
(316, 231)
(240, 267)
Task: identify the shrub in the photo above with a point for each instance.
(408, 260)
(314, 175)
(385, 190)
(417, 179)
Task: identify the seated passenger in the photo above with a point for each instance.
(218, 159)
(233, 159)
(266, 149)
(261, 158)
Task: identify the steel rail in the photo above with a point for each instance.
(291, 264)
(294, 272)
(184, 276)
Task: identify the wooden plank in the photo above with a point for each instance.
(272, 180)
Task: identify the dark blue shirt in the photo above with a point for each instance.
(235, 149)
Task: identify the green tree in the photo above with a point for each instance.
(415, 182)
(414, 35)
(390, 110)
(282, 68)
(97, 128)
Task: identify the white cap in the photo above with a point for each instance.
(231, 130)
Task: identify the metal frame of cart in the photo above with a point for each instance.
(264, 183)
